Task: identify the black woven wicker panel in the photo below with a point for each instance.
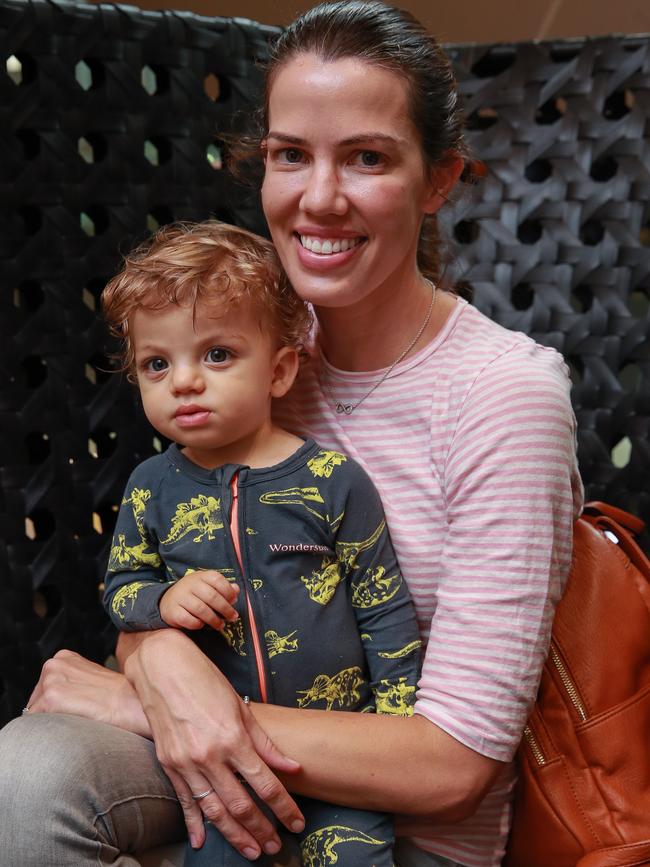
(109, 125)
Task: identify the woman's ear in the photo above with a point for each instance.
(285, 365)
(443, 177)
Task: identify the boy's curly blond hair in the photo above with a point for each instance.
(211, 262)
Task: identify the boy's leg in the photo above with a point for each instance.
(75, 793)
(217, 852)
(356, 837)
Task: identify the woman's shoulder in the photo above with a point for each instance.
(482, 348)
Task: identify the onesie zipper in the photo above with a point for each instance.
(234, 533)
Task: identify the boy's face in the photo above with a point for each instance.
(206, 378)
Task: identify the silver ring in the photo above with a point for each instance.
(203, 794)
(25, 710)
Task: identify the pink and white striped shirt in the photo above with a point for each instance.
(471, 444)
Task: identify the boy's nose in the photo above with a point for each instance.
(187, 378)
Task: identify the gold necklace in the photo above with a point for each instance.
(348, 408)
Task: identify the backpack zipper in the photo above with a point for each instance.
(234, 534)
(534, 746)
(569, 685)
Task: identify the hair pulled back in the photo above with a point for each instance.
(392, 38)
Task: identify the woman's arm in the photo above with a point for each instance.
(382, 762)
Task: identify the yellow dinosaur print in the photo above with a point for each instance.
(322, 583)
(395, 698)
(234, 635)
(296, 497)
(250, 531)
(257, 583)
(341, 688)
(129, 592)
(366, 636)
(134, 556)
(374, 589)
(201, 515)
(403, 651)
(131, 556)
(324, 462)
(349, 551)
(317, 849)
(276, 644)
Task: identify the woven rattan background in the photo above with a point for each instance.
(109, 125)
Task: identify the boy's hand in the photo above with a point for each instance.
(199, 599)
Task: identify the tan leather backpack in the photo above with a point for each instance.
(584, 790)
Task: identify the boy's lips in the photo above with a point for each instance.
(191, 415)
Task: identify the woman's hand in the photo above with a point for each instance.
(207, 741)
(71, 684)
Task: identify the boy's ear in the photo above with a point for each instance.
(285, 368)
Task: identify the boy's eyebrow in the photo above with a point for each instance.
(360, 138)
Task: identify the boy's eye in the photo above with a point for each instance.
(156, 365)
(217, 355)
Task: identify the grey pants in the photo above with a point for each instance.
(75, 793)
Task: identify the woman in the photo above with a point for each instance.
(466, 429)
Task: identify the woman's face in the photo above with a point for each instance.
(345, 186)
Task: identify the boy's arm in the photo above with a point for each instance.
(135, 578)
(380, 598)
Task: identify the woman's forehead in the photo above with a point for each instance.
(346, 96)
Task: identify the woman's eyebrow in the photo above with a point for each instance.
(360, 138)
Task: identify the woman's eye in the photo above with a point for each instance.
(291, 155)
(156, 365)
(217, 355)
(370, 159)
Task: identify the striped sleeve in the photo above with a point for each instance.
(507, 482)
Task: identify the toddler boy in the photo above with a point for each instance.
(272, 551)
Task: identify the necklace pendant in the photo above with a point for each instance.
(343, 408)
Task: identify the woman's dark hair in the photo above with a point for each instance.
(393, 39)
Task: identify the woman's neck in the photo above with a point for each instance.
(373, 334)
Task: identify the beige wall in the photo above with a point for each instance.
(468, 21)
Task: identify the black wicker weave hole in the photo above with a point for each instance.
(28, 296)
(38, 447)
(618, 104)
(582, 298)
(32, 219)
(538, 171)
(217, 87)
(467, 231)
(30, 142)
(40, 525)
(529, 232)
(551, 111)
(592, 232)
(21, 68)
(154, 79)
(89, 73)
(522, 296)
(482, 118)
(35, 371)
(603, 169)
(495, 61)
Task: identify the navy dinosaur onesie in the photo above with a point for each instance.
(325, 619)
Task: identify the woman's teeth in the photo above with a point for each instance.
(326, 247)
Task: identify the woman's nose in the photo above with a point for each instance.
(323, 192)
(187, 378)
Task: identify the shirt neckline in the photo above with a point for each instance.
(365, 376)
(246, 474)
